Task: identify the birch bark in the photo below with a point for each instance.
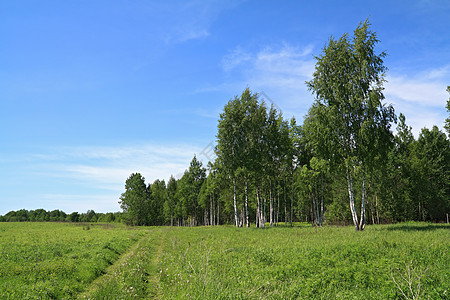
(246, 204)
(234, 203)
(270, 204)
(258, 207)
(352, 199)
(321, 202)
(285, 204)
(292, 200)
(362, 223)
(263, 212)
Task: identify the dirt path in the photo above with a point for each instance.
(135, 274)
(111, 271)
(153, 280)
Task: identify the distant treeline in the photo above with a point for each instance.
(41, 215)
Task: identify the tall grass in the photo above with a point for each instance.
(403, 261)
(322, 263)
(57, 260)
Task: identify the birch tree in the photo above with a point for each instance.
(229, 147)
(170, 204)
(348, 85)
(236, 149)
(431, 159)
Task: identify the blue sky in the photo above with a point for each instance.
(91, 91)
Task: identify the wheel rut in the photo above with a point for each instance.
(140, 260)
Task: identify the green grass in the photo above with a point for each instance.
(64, 261)
(322, 263)
(57, 260)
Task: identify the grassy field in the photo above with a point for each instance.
(57, 260)
(54, 260)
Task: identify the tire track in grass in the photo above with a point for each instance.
(111, 271)
(155, 291)
(135, 275)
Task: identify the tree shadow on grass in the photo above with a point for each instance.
(418, 227)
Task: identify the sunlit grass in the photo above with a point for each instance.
(280, 263)
(48, 260)
(56, 260)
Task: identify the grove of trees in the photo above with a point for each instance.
(343, 165)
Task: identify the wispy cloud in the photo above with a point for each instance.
(284, 61)
(420, 97)
(427, 92)
(235, 58)
(111, 165)
(93, 177)
(191, 20)
(281, 73)
(278, 70)
(285, 69)
(80, 202)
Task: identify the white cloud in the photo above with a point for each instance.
(193, 34)
(421, 91)
(81, 202)
(279, 71)
(112, 165)
(190, 20)
(438, 73)
(287, 67)
(235, 58)
(93, 177)
(284, 62)
(421, 97)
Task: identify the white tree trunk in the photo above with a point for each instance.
(258, 207)
(352, 199)
(236, 222)
(321, 203)
(211, 214)
(292, 200)
(362, 223)
(278, 205)
(270, 204)
(285, 204)
(214, 209)
(317, 206)
(246, 204)
(263, 212)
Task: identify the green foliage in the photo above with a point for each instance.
(171, 201)
(41, 215)
(188, 193)
(157, 195)
(431, 161)
(134, 201)
(348, 124)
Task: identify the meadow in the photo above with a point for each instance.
(57, 260)
(61, 260)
